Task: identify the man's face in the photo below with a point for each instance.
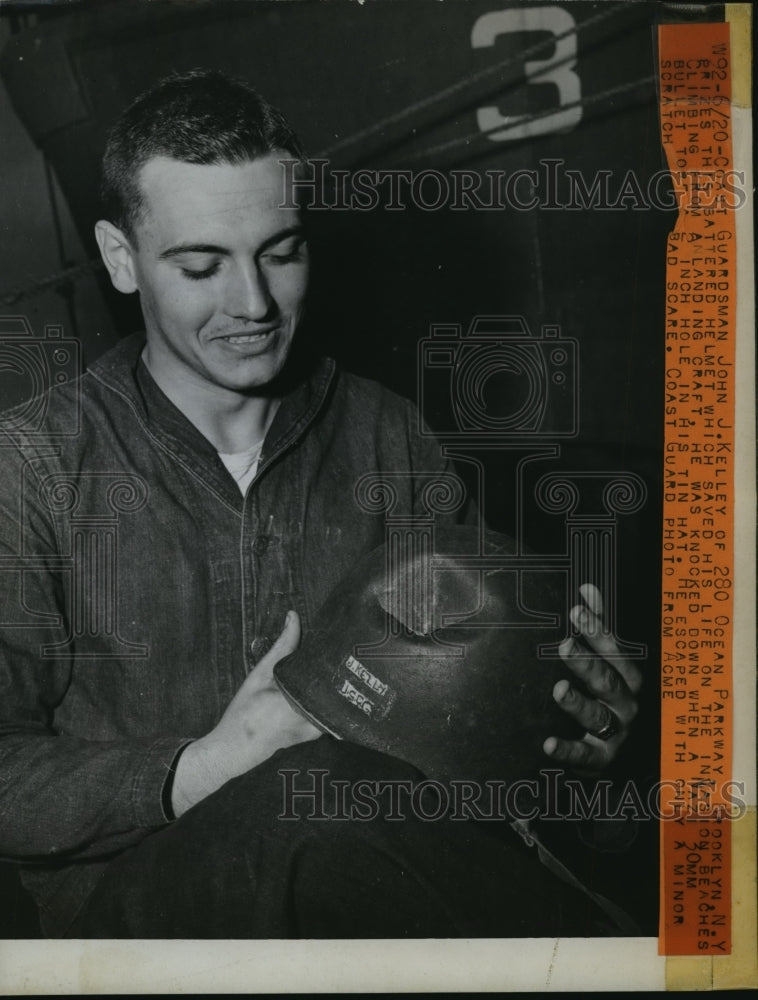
(222, 273)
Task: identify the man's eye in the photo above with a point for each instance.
(287, 256)
(207, 272)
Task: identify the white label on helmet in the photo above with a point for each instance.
(372, 682)
(355, 697)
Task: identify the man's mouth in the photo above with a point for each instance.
(247, 338)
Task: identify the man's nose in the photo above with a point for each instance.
(247, 293)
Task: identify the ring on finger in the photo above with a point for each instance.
(609, 729)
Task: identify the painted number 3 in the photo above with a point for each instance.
(559, 70)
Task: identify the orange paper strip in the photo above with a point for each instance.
(698, 568)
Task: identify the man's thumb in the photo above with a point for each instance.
(286, 642)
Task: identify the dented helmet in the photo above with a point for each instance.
(442, 651)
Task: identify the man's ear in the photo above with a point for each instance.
(116, 251)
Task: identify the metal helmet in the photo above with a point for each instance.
(440, 649)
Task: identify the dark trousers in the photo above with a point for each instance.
(232, 867)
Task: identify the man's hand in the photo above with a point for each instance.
(258, 721)
(613, 682)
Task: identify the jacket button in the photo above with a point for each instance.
(260, 544)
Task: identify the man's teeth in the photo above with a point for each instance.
(246, 338)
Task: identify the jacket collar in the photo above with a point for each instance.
(306, 390)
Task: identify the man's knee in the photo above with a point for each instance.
(232, 864)
(323, 779)
(342, 759)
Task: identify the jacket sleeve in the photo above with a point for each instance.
(60, 796)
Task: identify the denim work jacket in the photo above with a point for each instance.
(139, 588)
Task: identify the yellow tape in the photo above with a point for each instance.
(740, 969)
(684, 973)
(738, 16)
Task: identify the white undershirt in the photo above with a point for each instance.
(243, 465)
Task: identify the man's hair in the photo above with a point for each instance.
(198, 117)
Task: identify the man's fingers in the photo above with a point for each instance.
(593, 629)
(600, 640)
(591, 715)
(593, 598)
(582, 755)
(601, 680)
(611, 681)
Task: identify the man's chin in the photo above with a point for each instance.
(260, 379)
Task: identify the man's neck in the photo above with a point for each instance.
(231, 421)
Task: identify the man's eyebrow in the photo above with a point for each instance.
(211, 248)
(192, 248)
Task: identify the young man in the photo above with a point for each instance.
(206, 496)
